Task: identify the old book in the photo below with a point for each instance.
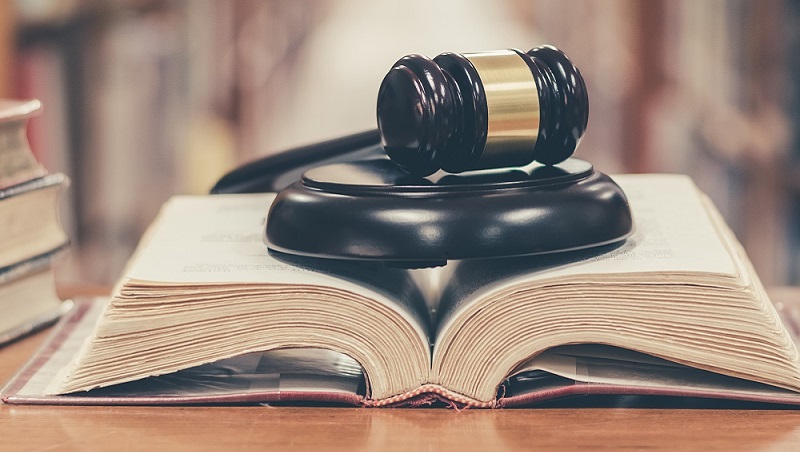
(30, 220)
(17, 161)
(32, 234)
(28, 297)
(205, 314)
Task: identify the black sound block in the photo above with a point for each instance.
(374, 210)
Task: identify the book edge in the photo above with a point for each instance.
(34, 184)
(36, 323)
(19, 109)
(588, 389)
(424, 395)
(32, 264)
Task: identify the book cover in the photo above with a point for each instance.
(30, 217)
(28, 296)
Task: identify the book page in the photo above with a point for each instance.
(307, 370)
(674, 236)
(612, 366)
(217, 239)
(274, 371)
(202, 286)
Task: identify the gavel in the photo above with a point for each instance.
(343, 199)
(456, 112)
(460, 112)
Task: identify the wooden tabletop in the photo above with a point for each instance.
(262, 427)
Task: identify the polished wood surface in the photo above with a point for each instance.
(261, 427)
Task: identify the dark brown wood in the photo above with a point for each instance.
(564, 104)
(417, 114)
(467, 145)
(433, 114)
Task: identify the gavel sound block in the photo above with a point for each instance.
(478, 166)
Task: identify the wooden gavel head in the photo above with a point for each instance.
(461, 112)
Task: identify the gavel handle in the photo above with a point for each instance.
(275, 172)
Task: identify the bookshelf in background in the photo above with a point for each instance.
(792, 176)
(696, 88)
(53, 42)
(162, 97)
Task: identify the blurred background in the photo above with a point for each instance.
(148, 98)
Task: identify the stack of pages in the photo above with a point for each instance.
(205, 314)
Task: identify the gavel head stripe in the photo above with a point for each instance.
(512, 101)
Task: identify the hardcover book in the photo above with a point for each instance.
(17, 161)
(32, 234)
(30, 221)
(204, 314)
(28, 296)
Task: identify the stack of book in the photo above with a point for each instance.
(32, 235)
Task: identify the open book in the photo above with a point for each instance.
(204, 313)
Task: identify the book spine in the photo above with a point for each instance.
(33, 185)
(35, 324)
(31, 265)
(17, 162)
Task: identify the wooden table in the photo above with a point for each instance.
(259, 428)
